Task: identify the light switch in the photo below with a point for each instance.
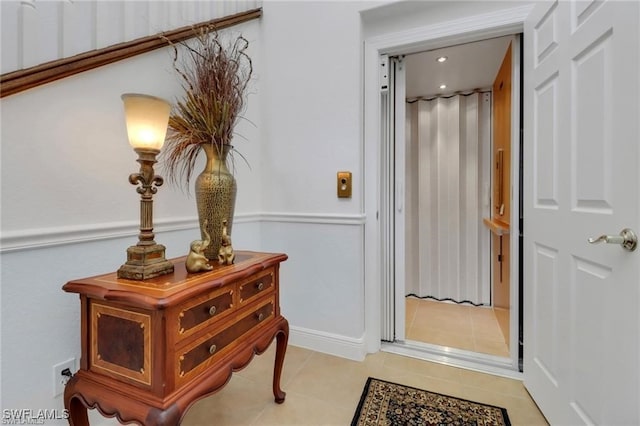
(344, 184)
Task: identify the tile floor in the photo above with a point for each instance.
(457, 326)
(325, 390)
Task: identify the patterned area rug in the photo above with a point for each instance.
(386, 403)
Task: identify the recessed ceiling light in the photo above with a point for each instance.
(443, 86)
(442, 59)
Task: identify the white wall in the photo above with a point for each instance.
(68, 210)
(311, 105)
(311, 95)
(36, 31)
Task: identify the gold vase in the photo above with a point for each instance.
(215, 197)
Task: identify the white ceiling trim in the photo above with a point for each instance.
(465, 30)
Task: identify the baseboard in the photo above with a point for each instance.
(328, 343)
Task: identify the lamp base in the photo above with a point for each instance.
(144, 262)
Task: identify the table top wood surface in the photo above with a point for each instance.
(167, 290)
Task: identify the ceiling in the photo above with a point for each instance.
(468, 66)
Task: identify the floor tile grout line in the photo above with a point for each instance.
(302, 365)
(473, 337)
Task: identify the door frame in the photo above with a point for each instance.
(501, 23)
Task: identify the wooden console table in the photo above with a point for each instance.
(152, 348)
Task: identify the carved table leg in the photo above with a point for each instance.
(72, 402)
(78, 413)
(282, 337)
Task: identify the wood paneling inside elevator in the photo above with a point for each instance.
(499, 223)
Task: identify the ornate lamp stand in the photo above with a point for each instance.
(147, 118)
(146, 259)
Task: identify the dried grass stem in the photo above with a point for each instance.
(214, 76)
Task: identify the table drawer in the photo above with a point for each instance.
(198, 356)
(256, 286)
(201, 311)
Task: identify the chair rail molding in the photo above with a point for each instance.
(28, 239)
(316, 218)
(35, 238)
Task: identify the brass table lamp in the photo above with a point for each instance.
(147, 118)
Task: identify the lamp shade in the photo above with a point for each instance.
(147, 118)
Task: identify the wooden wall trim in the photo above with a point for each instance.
(18, 81)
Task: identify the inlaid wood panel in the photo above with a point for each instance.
(128, 355)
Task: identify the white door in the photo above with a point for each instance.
(582, 301)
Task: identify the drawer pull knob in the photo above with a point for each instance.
(212, 349)
(260, 316)
(260, 286)
(212, 310)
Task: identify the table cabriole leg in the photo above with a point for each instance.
(72, 402)
(77, 412)
(282, 337)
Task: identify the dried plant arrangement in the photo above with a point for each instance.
(214, 74)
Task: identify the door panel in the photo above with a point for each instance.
(592, 76)
(581, 155)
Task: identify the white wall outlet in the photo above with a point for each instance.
(60, 379)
